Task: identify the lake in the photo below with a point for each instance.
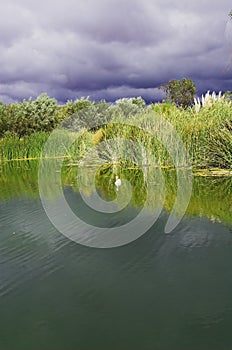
(158, 292)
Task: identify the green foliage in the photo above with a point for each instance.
(73, 107)
(181, 92)
(30, 116)
(139, 101)
(128, 106)
(207, 134)
(228, 95)
(11, 147)
(34, 116)
(89, 116)
(7, 118)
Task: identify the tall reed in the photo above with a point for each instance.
(11, 147)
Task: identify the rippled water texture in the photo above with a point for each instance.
(160, 292)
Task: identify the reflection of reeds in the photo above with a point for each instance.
(211, 196)
(19, 179)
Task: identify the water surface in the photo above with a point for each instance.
(164, 292)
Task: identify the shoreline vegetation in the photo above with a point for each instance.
(205, 129)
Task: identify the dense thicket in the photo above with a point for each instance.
(205, 128)
(43, 114)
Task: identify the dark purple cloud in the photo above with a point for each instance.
(112, 48)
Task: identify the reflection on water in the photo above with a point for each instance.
(159, 292)
(211, 196)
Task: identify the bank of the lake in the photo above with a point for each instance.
(82, 125)
(206, 134)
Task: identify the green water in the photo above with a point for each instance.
(159, 292)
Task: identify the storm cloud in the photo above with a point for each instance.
(108, 49)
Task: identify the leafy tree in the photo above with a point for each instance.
(73, 107)
(228, 95)
(139, 101)
(45, 113)
(89, 115)
(181, 92)
(7, 118)
(38, 115)
(127, 106)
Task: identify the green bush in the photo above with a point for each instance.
(35, 116)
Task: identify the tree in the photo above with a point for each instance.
(139, 101)
(7, 118)
(76, 106)
(38, 115)
(181, 92)
(87, 114)
(228, 95)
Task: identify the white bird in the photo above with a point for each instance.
(118, 182)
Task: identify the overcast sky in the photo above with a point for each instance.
(112, 48)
